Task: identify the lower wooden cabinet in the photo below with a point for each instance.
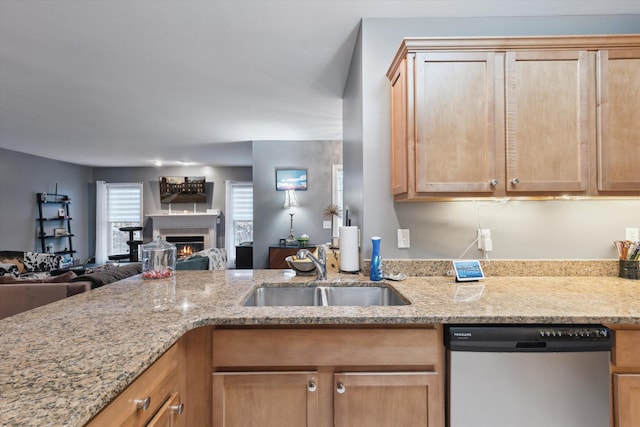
(265, 399)
(325, 377)
(381, 399)
(152, 399)
(626, 389)
(625, 370)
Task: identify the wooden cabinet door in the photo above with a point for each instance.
(627, 400)
(618, 154)
(412, 399)
(456, 149)
(265, 399)
(401, 123)
(548, 121)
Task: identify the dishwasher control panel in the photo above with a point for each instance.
(528, 338)
(587, 332)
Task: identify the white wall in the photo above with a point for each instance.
(520, 229)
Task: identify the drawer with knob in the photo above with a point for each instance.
(152, 399)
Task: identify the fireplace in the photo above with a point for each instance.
(186, 245)
(196, 230)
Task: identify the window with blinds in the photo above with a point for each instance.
(239, 216)
(124, 209)
(242, 212)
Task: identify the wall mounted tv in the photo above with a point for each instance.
(183, 189)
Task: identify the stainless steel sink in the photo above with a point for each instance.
(331, 295)
(284, 296)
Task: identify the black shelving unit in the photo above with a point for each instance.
(50, 208)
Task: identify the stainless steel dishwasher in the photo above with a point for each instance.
(528, 375)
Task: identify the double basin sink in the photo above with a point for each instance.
(324, 294)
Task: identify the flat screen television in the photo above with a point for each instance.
(183, 189)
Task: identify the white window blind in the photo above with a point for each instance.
(117, 205)
(242, 201)
(124, 202)
(239, 216)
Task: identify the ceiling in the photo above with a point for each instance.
(127, 83)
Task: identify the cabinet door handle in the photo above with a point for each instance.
(143, 403)
(312, 386)
(515, 181)
(494, 182)
(177, 409)
(340, 388)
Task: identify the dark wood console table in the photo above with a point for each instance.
(278, 253)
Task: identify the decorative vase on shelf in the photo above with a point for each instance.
(375, 270)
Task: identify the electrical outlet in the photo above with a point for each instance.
(484, 237)
(326, 225)
(403, 238)
(631, 234)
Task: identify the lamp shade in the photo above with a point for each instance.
(290, 200)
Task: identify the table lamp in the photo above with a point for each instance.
(290, 201)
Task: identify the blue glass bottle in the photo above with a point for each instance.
(375, 271)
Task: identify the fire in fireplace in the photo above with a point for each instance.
(186, 245)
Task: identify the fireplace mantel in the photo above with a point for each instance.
(211, 213)
(187, 224)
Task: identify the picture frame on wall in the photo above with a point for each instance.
(291, 179)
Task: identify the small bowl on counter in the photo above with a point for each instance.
(303, 267)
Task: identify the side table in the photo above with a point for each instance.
(278, 253)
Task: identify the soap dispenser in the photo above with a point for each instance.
(375, 270)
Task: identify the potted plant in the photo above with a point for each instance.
(333, 212)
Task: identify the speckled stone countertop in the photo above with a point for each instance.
(61, 363)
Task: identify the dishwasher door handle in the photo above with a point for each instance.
(531, 344)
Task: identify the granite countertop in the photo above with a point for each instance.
(61, 363)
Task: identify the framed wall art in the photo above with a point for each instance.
(291, 179)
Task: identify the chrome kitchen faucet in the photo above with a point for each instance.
(320, 262)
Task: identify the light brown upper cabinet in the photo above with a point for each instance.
(515, 116)
(619, 120)
(548, 121)
(455, 122)
(399, 117)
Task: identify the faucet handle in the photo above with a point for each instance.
(322, 254)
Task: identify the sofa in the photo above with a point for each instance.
(18, 294)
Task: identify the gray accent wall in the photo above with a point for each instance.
(271, 220)
(22, 176)
(583, 229)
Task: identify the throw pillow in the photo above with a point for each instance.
(9, 269)
(217, 258)
(38, 262)
(13, 257)
(194, 262)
